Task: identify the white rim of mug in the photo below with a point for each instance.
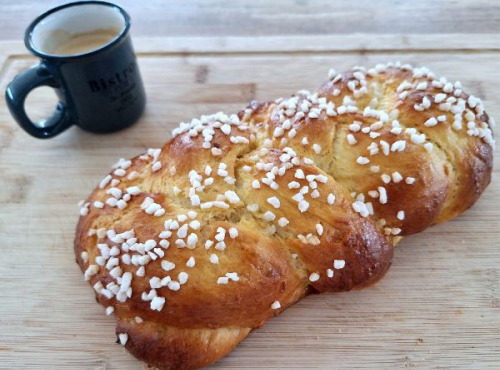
(118, 38)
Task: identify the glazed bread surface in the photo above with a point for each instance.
(237, 217)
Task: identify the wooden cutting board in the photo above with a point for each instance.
(439, 305)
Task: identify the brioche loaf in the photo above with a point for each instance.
(237, 217)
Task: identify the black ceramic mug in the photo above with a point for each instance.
(87, 57)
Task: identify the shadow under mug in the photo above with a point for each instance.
(99, 90)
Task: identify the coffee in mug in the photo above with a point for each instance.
(84, 42)
(87, 57)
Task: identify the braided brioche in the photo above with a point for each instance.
(238, 217)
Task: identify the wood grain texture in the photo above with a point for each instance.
(438, 307)
(280, 17)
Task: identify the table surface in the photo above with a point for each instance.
(281, 17)
(439, 305)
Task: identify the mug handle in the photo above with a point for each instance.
(16, 94)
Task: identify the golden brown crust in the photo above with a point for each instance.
(238, 217)
(169, 348)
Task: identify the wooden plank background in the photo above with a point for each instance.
(439, 305)
(169, 18)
